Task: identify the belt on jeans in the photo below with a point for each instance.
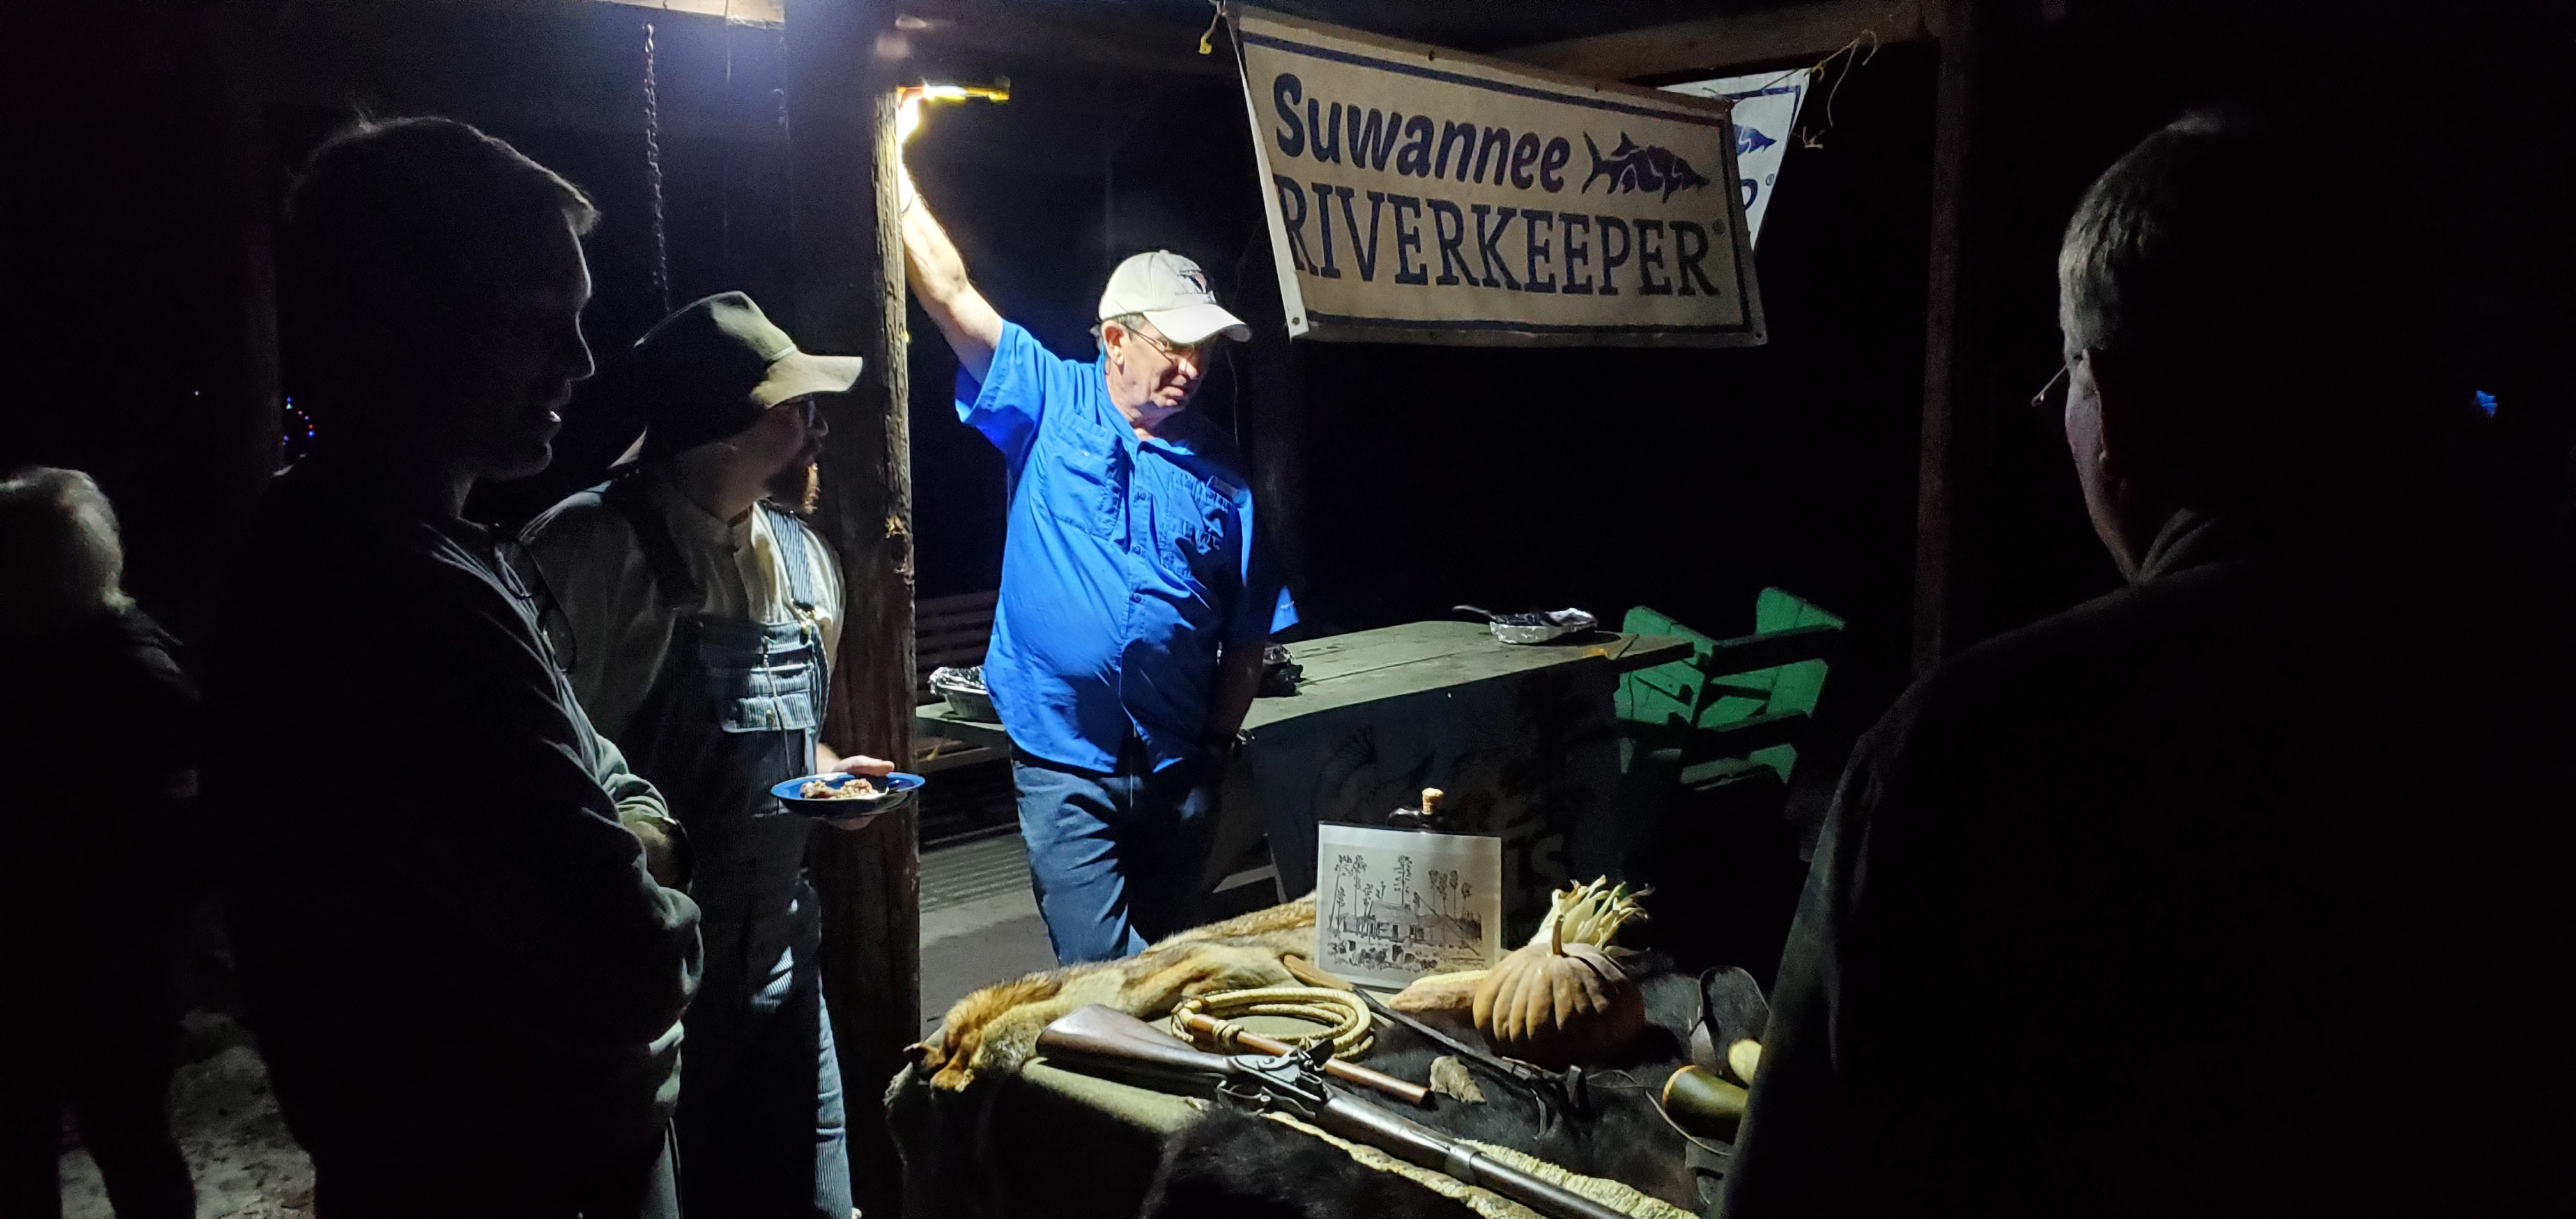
(1134, 745)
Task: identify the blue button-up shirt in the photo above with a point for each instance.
(1126, 564)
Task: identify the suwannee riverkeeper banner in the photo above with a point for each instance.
(1419, 195)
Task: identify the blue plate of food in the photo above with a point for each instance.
(841, 797)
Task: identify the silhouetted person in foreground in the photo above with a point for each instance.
(2241, 890)
(98, 768)
(465, 980)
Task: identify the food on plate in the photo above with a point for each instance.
(855, 789)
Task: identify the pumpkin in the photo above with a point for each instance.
(1562, 998)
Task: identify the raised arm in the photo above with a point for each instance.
(935, 270)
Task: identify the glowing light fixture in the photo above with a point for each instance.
(915, 99)
(998, 91)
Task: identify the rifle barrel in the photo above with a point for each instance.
(1119, 1044)
(1409, 1141)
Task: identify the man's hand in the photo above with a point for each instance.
(826, 762)
(663, 857)
(907, 112)
(856, 764)
(1238, 678)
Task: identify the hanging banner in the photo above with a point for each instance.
(1419, 195)
(1766, 114)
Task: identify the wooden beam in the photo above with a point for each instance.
(741, 12)
(849, 299)
(1946, 332)
(1102, 39)
(1797, 32)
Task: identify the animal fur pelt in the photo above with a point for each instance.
(1232, 1165)
(1222, 1167)
(996, 1028)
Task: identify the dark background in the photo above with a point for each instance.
(1511, 478)
(135, 250)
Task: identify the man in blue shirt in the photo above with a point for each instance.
(1136, 596)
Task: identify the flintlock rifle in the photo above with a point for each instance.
(1111, 1042)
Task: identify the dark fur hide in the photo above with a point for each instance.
(1230, 1166)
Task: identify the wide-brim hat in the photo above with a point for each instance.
(710, 369)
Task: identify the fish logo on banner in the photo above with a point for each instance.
(1630, 167)
(1419, 195)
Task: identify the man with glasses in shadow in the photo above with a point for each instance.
(462, 941)
(2241, 889)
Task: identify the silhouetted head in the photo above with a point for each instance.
(440, 276)
(61, 563)
(2244, 315)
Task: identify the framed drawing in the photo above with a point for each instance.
(1393, 905)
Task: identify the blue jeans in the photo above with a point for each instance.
(1116, 859)
(762, 1122)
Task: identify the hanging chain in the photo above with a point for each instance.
(653, 176)
(780, 93)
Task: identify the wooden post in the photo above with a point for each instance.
(1946, 332)
(850, 299)
(1274, 423)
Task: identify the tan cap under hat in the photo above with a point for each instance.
(1173, 294)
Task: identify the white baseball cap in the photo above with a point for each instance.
(1173, 294)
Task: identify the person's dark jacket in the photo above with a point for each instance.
(98, 765)
(452, 954)
(2238, 891)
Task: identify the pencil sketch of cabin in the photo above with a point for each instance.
(1390, 914)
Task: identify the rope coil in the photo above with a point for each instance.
(1352, 1028)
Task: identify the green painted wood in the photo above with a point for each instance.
(1798, 685)
(1771, 679)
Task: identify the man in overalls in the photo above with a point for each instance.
(697, 618)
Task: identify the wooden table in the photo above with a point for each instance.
(1520, 736)
(1048, 1140)
(1371, 666)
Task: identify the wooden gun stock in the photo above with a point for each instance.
(1348, 1072)
(1113, 1043)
